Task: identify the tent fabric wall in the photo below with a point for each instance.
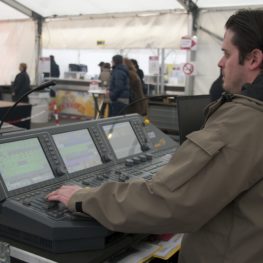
(159, 31)
(17, 44)
(209, 49)
(9, 13)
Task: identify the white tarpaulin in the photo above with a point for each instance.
(226, 4)
(49, 8)
(209, 49)
(161, 31)
(9, 13)
(17, 45)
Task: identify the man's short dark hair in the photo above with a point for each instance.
(247, 26)
(117, 59)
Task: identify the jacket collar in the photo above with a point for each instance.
(254, 90)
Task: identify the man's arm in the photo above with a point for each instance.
(182, 197)
(204, 176)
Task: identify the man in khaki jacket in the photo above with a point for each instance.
(212, 189)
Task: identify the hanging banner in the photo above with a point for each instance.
(153, 65)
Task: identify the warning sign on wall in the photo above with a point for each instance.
(189, 68)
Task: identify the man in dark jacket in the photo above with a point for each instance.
(21, 84)
(54, 68)
(119, 86)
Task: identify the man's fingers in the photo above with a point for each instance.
(53, 197)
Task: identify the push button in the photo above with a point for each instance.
(129, 162)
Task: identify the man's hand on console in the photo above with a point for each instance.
(63, 194)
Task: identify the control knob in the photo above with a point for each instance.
(149, 156)
(105, 175)
(129, 162)
(143, 158)
(86, 182)
(123, 178)
(60, 170)
(136, 160)
(105, 158)
(145, 147)
(100, 177)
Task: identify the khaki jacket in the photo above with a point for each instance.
(211, 189)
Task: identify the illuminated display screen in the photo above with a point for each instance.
(122, 139)
(77, 149)
(23, 163)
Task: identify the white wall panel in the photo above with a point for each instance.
(17, 44)
(161, 31)
(209, 49)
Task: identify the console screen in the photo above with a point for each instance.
(122, 139)
(23, 163)
(77, 149)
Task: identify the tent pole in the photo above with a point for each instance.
(193, 12)
(157, 91)
(38, 47)
(162, 71)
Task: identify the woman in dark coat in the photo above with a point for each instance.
(136, 91)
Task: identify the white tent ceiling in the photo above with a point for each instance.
(121, 24)
(7, 13)
(49, 8)
(53, 8)
(205, 4)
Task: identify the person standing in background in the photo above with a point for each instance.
(136, 91)
(119, 86)
(105, 75)
(54, 67)
(140, 74)
(21, 84)
(101, 65)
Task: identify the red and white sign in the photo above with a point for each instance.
(188, 43)
(189, 68)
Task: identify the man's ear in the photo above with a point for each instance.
(255, 58)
